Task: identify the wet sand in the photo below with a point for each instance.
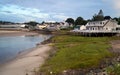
(15, 33)
(26, 63)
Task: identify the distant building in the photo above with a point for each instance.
(65, 25)
(53, 26)
(41, 26)
(80, 27)
(77, 27)
(83, 27)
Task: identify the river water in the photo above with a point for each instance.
(11, 46)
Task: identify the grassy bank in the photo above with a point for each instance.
(75, 52)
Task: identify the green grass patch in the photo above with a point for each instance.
(75, 52)
(114, 70)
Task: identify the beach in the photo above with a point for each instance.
(26, 62)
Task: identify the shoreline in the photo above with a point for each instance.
(27, 61)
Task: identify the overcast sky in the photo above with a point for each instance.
(55, 10)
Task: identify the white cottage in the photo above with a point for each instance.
(65, 25)
(106, 25)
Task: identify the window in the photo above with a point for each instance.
(96, 28)
(89, 23)
(100, 22)
(89, 28)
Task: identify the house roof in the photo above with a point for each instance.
(97, 23)
(77, 26)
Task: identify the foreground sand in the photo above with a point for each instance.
(26, 63)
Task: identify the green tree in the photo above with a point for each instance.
(107, 17)
(80, 21)
(100, 13)
(32, 23)
(117, 19)
(43, 22)
(70, 20)
(98, 17)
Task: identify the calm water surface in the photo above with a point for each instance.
(11, 46)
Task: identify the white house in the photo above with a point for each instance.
(82, 27)
(78, 28)
(65, 25)
(106, 25)
(23, 25)
(41, 26)
(53, 27)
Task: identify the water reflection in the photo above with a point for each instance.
(11, 46)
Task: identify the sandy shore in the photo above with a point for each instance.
(26, 63)
(15, 33)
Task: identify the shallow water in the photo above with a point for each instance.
(11, 46)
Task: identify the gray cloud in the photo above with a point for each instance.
(29, 13)
(53, 9)
(7, 11)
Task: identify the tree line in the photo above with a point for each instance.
(6, 22)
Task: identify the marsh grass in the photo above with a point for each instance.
(76, 52)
